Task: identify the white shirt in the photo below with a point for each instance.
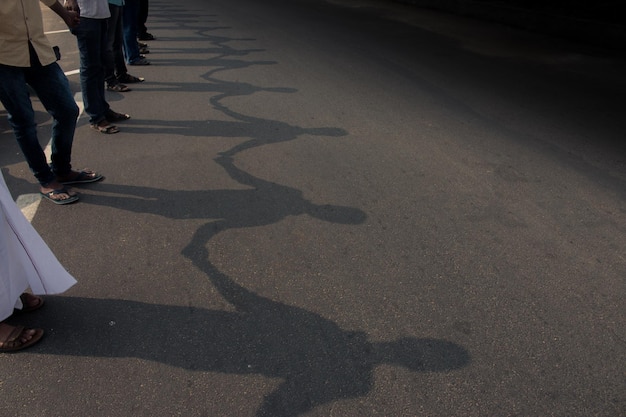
(94, 9)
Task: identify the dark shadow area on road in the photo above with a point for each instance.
(317, 361)
(264, 203)
(264, 131)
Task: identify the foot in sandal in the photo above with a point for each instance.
(118, 88)
(30, 302)
(14, 338)
(105, 127)
(58, 193)
(79, 177)
(113, 116)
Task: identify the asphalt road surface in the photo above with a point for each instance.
(337, 208)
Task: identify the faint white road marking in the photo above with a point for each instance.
(28, 203)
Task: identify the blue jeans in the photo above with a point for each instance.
(53, 89)
(91, 36)
(129, 24)
(114, 64)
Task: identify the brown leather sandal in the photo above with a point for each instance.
(15, 342)
(30, 302)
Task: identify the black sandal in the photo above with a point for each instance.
(129, 79)
(80, 177)
(118, 88)
(105, 127)
(113, 116)
(53, 196)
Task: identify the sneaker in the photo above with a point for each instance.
(142, 44)
(140, 61)
(146, 37)
(144, 50)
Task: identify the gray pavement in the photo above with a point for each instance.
(338, 208)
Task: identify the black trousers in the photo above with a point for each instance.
(142, 17)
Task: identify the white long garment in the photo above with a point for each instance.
(25, 259)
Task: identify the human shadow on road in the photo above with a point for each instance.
(317, 361)
(262, 203)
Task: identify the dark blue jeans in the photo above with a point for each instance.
(52, 88)
(129, 24)
(114, 54)
(91, 36)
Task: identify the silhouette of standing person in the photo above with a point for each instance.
(318, 361)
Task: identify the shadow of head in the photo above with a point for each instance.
(423, 355)
(338, 214)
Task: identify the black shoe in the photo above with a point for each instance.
(144, 50)
(146, 37)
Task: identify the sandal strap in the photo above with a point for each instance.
(12, 340)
